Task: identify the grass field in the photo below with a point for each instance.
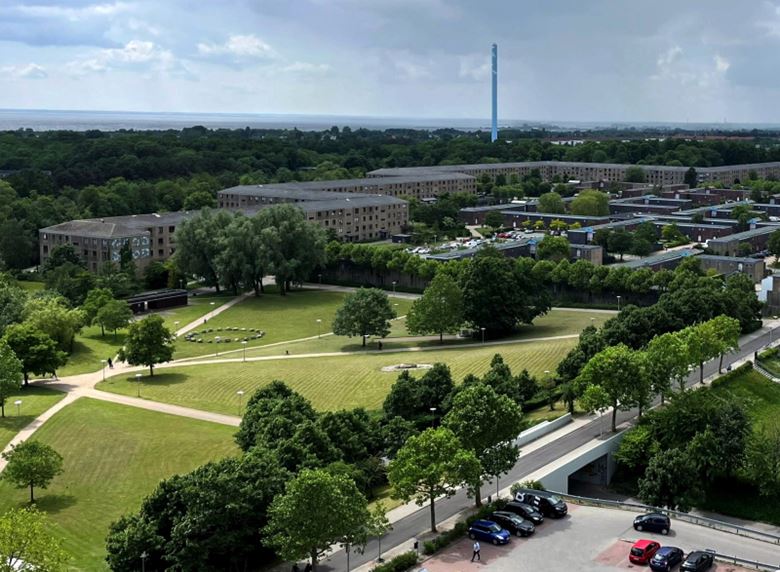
(114, 456)
(35, 400)
(89, 348)
(197, 307)
(331, 383)
(282, 318)
(29, 285)
(760, 395)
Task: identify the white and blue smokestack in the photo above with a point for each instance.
(494, 116)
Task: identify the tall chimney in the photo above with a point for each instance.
(494, 117)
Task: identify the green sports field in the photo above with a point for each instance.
(114, 456)
(331, 383)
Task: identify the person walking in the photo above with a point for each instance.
(110, 363)
(476, 552)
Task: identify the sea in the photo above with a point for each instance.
(75, 120)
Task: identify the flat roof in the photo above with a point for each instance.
(93, 229)
(742, 259)
(665, 256)
(758, 231)
(350, 202)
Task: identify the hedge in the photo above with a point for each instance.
(460, 529)
(400, 563)
(741, 370)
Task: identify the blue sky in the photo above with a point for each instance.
(600, 60)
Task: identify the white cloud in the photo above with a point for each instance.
(29, 71)
(239, 46)
(722, 65)
(475, 67)
(670, 56)
(133, 53)
(306, 67)
(71, 14)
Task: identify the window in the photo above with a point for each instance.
(171, 228)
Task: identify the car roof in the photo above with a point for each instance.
(667, 550)
(696, 554)
(644, 543)
(525, 505)
(505, 514)
(653, 514)
(484, 522)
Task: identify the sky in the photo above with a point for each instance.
(573, 60)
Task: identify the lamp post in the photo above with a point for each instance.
(138, 384)
(483, 334)
(176, 325)
(103, 368)
(319, 328)
(244, 344)
(394, 283)
(618, 299)
(320, 277)
(240, 394)
(18, 404)
(433, 417)
(144, 556)
(216, 341)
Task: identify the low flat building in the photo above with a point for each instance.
(755, 268)
(666, 260)
(757, 238)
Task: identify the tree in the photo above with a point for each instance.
(95, 300)
(31, 464)
(494, 219)
(148, 343)
(667, 482)
(551, 203)
(299, 527)
(724, 333)
(671, 234)
(27, 542)
(199, 200)
(366, 312)
(114, 315)
(590, 203)
(635, 174)
(62, 254)
(438, 310)
(413, 398)
(691, 178)
(619, 371)
(12, 302)
(763, 459)
(667, 361)
(620, 241)
(51, 315)
(497, 295)
(554, 248)
(487, 425)
(637, 448)
(70, 280)
(432, 464)
(10, 374)
(35, 349)
(198, 245)
(773, 245)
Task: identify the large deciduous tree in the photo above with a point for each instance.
(27, 542)
(148, 343)
(555, 248)
(551, 203)
(432, 464)
(486, 424)
(51, 315)
(590, 203)
(318, 509)
(10, 374)
(31, 464)
(438, 310)
(35, 349)
(198, 245)
(114, 315)
(95, 300)
(668, 482)
(366, 312)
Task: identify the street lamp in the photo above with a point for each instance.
(144, 556)
(394, 283)
(103, 368)
(18, 404)
(433, 417)
(176, 325)
(618, 299)
(216, 340)
(244, 344)
(138, 383)
(319, 328)
(320, 276)
(240, 394)
(483, 334)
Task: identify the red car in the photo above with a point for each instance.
(642, 551)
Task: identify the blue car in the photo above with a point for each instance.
(488, 531)
(666, 558)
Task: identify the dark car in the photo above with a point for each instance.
(642, 551)
(653, 522)
(549, 504)
(488, 531)
(513, 523)
(666, 558)
(698, 561)
(525, 510)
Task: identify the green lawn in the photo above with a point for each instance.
(114, 456)
(196, 308)
(89, 348)
(331, 383)
(761, 395)
(35, 400)
(282, 318)
(30, 286)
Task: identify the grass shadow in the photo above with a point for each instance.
(53, 504)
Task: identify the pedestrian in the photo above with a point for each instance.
(380, 345)
(476, 552)
(110, 363)
(308, 567)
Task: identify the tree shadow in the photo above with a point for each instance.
(53, 504)
(161, 379)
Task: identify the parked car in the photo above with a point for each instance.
(513, 523)
(525, 510)
(698, 561)
(653, 522)
(642, 551)
(488, 531)
(666, 558)
(547, 503)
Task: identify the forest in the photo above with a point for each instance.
(50, 177)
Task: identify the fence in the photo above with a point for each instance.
(684, 516)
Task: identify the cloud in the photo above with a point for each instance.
(240, 47)
(722, 64)
(670, 56)
(306, 68)
(135, 53)
(474, 67)
(29, 71)
(71, 14)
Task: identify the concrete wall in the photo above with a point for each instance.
(542, 429)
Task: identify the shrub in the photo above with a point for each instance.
(533, 485)
(457, 532)
(744, 368)
(400, 563)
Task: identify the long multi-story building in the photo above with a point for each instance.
(609, 172)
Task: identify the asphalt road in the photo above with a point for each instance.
(419, 521)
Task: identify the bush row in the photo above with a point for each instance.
(400, 563)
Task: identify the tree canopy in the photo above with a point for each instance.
(366, 312)
(148, 343)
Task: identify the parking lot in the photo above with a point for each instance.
(594, 539)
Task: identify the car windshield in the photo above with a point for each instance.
(637, 551)
(555, 500)
(494, 528)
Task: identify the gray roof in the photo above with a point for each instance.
(283, 192)
(666, 256)
(743, 260)
(350, 201)
(94, 228)
(758, 231)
